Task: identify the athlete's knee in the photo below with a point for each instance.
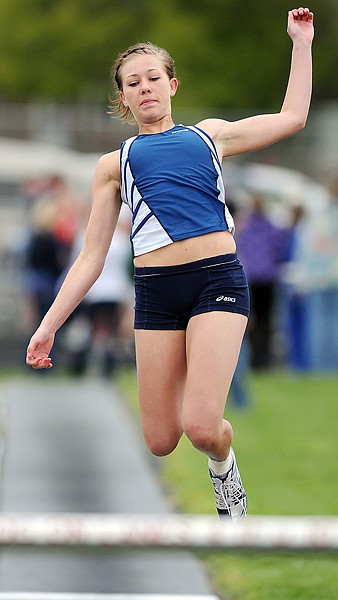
(201, 435)
(208, 437)
(162, 445)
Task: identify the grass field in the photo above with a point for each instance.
(286, 445)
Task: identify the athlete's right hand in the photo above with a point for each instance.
(39, 349)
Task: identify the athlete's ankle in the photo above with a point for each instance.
(220, 467)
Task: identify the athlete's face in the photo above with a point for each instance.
(147, 89)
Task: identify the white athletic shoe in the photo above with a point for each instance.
(231, 500)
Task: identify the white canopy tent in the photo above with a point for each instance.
(23, 159)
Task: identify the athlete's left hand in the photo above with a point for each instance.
(300, 25)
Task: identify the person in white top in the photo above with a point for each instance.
(100, 335)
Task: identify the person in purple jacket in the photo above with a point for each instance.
(260, 246)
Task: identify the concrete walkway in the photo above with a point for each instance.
(72, 447)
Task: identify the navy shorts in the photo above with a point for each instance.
(167, 297)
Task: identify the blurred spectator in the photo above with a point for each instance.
(317, 260)
(54, 216)
(43, 259)
(293, 311)
(101, 333)
(69, 214)
(260, 248)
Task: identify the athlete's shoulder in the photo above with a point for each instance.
(213, 127)
(108, 166)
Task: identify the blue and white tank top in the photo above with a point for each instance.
(172, 182)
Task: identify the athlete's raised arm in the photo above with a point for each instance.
(257, 132)
(89, 264)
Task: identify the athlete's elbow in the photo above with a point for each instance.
(295, 124)
(300, 123)
(294, 120)
(92, 265)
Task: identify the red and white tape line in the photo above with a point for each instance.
(189, 531)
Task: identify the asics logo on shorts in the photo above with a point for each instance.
(225, 299)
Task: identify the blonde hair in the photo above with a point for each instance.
(117, 108)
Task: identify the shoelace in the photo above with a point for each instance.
(231, 493)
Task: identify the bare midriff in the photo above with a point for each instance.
(189, 250)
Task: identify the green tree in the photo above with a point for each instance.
(62, 50)
(227, 56)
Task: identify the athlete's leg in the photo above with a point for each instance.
(161, 373)
(213, 344)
